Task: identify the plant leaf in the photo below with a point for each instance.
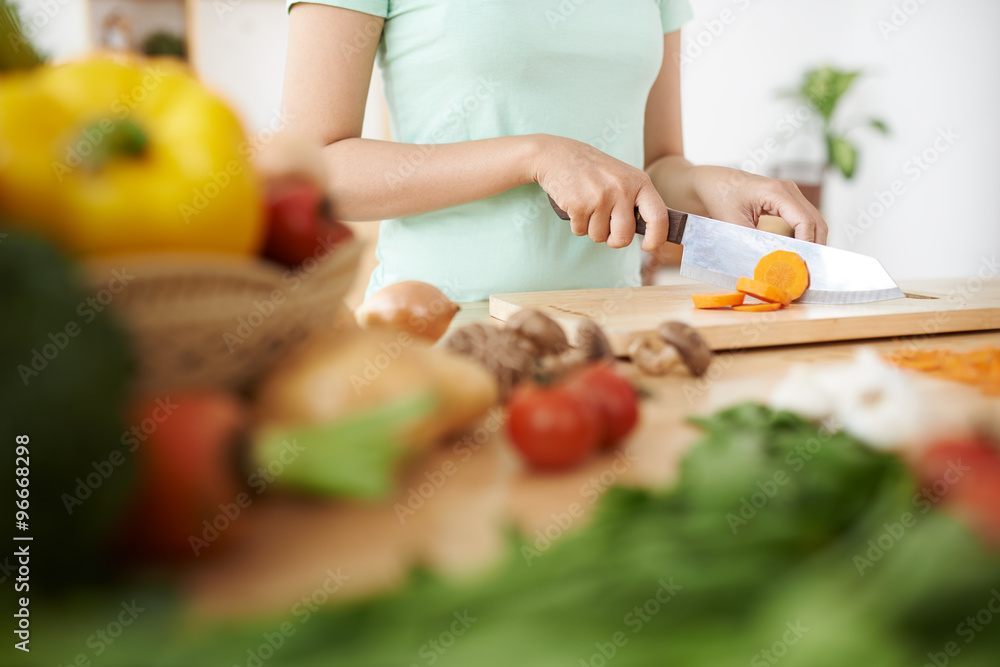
(823, 87)
(844, 156)
(879, 125)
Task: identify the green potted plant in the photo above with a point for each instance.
(822, 90)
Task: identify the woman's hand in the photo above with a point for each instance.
(740, 197)
(599, 192)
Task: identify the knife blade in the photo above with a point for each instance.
(718, 253)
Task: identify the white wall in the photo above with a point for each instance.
(240, 51)
(940, 69)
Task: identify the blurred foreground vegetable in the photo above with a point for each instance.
(780, 539)
(330, 378)
(64, 367)
(112, 155)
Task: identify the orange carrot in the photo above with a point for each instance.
(759, 307)
(784, 270)
(980, 368)
(717, 299)
(763, 291)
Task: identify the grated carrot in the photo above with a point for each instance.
(980, 368)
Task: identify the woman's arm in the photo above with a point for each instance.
(324, 97)
(727, 194)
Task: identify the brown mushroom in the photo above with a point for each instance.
(542, 332)
(501, 351)
(694, 351)
(591, 339)
(653, 355)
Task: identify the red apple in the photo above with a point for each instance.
(300, 224)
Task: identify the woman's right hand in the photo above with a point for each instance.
(599, 192)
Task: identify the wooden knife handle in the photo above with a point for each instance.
(674, 234)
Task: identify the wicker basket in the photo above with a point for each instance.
(205, 320)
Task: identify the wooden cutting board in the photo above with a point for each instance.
(939, 306)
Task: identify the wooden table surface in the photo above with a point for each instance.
(453, 505)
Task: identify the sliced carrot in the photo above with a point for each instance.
(785, 270)
(763, 291)
(759, 307)
(717, 299)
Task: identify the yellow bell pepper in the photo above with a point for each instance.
(113, 155)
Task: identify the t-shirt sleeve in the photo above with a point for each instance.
(378, 8)
(674, 14)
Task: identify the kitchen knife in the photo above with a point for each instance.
(719, 252)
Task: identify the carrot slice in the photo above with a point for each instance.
(717, 299)
(763, 291)
(785, 270)
(759, 307)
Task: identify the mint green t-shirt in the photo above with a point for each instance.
(455, 70)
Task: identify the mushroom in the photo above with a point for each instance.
(500, 350)
(592, 341)
(653, 355)
(693, 350)
(544, 335)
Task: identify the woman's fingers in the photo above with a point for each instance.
(600, 224)
(622, 224)
(579, 221)
(796, 210)
(657, 217)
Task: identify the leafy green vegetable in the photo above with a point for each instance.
(669, 578)
(64, 366)
(356, 456)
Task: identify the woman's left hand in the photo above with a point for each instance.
(741, 197)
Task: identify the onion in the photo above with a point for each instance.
(412, 306)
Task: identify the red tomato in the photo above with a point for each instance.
(611, 397)
(964, 474)
(185, 472)
(551, 427)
